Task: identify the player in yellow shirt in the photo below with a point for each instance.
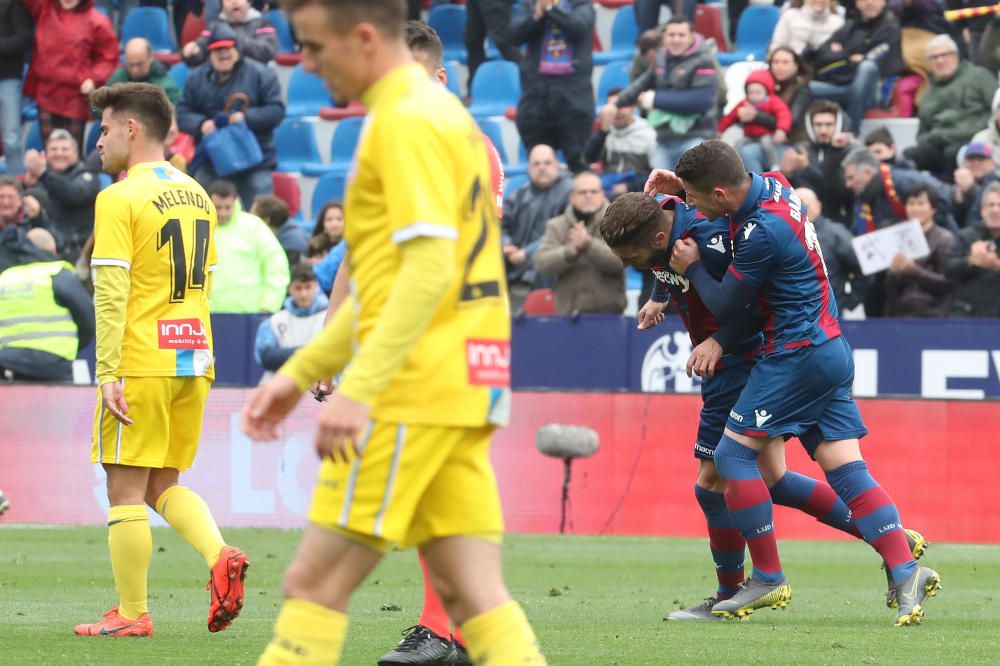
(405, 437)
(154, 252)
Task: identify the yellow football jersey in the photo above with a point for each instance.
(422, 169)
(159, 224)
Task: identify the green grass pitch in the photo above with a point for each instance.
(593, 601)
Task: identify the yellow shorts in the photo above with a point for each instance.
(166, 415)
(413, 483)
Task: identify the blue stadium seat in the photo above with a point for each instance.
(495, 88)
(624, 35)
(179, 73)
(615, 75)
(29, 110)
(513, 184)
(342, 147)
(151, 23)
(330, 187)
(449, 22)
(753, 33)
(449, 66)
(491, 128)
(307, 94)
(92, 136)
(105, 179)
(286, 42)
(295, 140)
(34, 137)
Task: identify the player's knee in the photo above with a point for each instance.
(298, 581)
(709, 477)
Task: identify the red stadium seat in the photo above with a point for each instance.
(353, 109)
(540, 303)
(191, 30)
(286, 188)
(288, 59)
(614, 4)
(708, 24)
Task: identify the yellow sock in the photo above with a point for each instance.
(502, 636)
(131, 546)
(306, 634)
(187, 513)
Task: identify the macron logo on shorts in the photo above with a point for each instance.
(762, 417)
(182, 334)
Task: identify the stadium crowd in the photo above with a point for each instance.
(798, 106)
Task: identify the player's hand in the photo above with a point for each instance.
(321, 390)
(649, 315)
(341, 424)
(268, 406)
(661, 181)
(113, 399)
(704, 358)
(684, 254)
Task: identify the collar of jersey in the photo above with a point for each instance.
(751, 200)
(383, 87)
(147, 166)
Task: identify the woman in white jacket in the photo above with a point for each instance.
(805, 24)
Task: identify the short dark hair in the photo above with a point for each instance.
(613, 91)
(319, 245)
(631, 220)
(222, 188)
(880, 134)
(677, 19)
(271, 209)
(145, 102)
(711, 164)
(302, 272)
(389, 16)
(823, 106)
(651, 39)
(923, 187)
(421, 37)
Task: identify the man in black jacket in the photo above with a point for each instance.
(816, 164)
(557, 95)
(860, 56)
(70, 187)
(16, 37)
(974, 266)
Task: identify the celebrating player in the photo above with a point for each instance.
(154, 251)
(405, 437)
(802, 385)
(641, 233)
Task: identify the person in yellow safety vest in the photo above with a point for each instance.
(46, 317)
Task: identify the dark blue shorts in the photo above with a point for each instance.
(804, 393)
(719, 394)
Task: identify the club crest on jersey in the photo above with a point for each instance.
(715, 243)
(488, 362)
(669, 277)
(182, 334)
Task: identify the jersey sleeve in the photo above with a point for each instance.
(112, 230)
(754, 255)
(420, 189)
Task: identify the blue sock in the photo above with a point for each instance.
(724, 539)
(814, 497)
(750, 504)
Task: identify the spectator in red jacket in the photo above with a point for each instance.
(766, 121)
(76, 50)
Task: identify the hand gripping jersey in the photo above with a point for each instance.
(712, 237)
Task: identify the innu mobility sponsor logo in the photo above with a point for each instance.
(182, 334)
(488, 362)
